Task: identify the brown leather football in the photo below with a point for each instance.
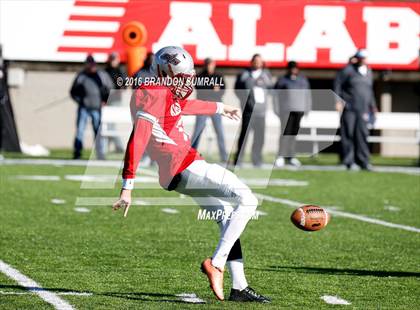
(310, 218)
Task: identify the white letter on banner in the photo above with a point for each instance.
(244, 33)
(190, 25)
(392, 35)
(323, 28)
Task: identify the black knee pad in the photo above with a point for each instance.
(235, 251)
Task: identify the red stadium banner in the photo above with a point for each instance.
(318, 34)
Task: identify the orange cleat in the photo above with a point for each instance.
(215, 276)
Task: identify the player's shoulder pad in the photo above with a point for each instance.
(152, 91)
(150, 97)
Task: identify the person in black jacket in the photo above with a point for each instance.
(292, 100)
(354, 85)
(9, 139)
(211, 91)
(90, 90)
(145, 71)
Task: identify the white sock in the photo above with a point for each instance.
(236, 270)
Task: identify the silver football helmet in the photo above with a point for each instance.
(176, 66)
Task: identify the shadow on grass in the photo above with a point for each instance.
(140, 296)
(337, 271)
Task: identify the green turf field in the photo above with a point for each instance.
(144, 261)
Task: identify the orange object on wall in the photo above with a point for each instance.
(134, 36)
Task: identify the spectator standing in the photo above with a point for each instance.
(9, 140)
(291, 102)
(90, 90)
(145, 70)
(115, 70)
(117, 74)
(257, 80)
(211, 91)
(354, 85)
(139, 76)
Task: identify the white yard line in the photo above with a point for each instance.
(358, 217)
(109, 201)
(144, 201)
(259, 212)
(149, 176)
(34, 287)
(170, 210)
(57, 293)
(190, 298)
(62, 162)
(118, 164)
(335, 300)
(82, 210)
(58, 201)
(38, 177)
(264, 182)
(392, 208)
(381, 169)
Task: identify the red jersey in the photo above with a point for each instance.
(158, 129)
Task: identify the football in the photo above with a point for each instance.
(310, 218)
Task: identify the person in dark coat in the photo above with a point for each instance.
(139, 77)
(144, 72)
(118, 76)
(9, 139)
(115, 70)
(354, 86)
(211, 91)
(252, 88)
(292, 101)
(90, 90)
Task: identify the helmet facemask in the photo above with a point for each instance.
(175, 68)
(181, 84)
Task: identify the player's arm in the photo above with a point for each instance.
(338, 89)
(201, 107)
(136, 146)
(77, 90)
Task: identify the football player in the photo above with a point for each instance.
(156, 110)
